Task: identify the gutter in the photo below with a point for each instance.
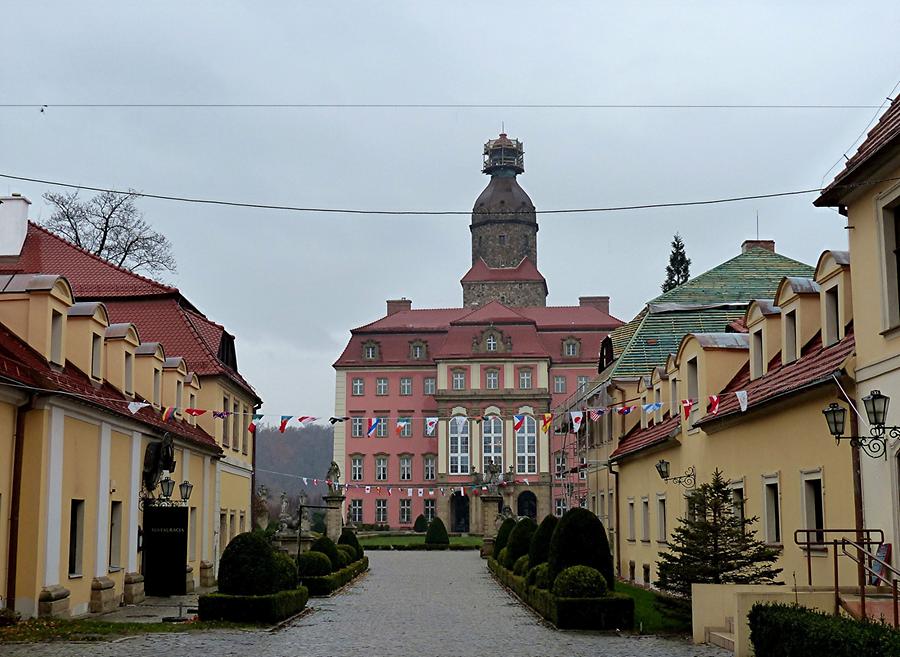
(16, 499)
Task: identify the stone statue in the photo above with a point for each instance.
(334, 476)
(305, 522)
(284, 517)
(503, 515)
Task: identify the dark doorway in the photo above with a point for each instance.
(527, 505)
(165, 549)
(459, 514)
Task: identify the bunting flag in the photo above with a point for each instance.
(577, 419)
(431, 492)
(462, 490)
(305, 480)
(316, 483)
(378, 490)
(373, 424)
(742, 399)
(460, 421)
(546, 422)
(596, 414)
(134, 407)
(335, 420)
(687, 405)
(526, 481)
(306, 418)
(430, 425)
(389, 491)
(168, 413)
(221, 414)
(624, 410)
(284, 420)
(478, 419)
(651, 408)
(194, 412)
(368, 489)
(401, 425)
(714, 404)
(518, 421)
(252, 427)
(421, 492)
(409, 492)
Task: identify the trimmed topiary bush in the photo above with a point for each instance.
(520, 538)
(437, 535)
(520, 567)
(252, 608)
(540, 541)
(313, 564)
(249, 566)
(501, 557)
(327, 547)
(421, 525)
(539, 576)
(348, 537)
(580, 540)
(580, 582)
(349, 551)
(287, 571)
(503, 535)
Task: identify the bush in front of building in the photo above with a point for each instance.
(421, 524)
(519, 540)
(348, 537)
(503, 534)
(313, 564)
(580, 582)
(287, 571)
(580, 540)
(501, 557)
(270, 608)
(249, 566)
(349, 551)
(327, 547)
(9, 616)
(540, 541)
(436, 538)
(539, 576)
(325, 585)
(778, 630)
(520, 567)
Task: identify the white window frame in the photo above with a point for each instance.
(559, 506)
(405, 511)
(525, 378)
(791, 349)
(757, 353)
(56, 338)
(645, 519)
(406, 468)
(526, 447)
(430, 510)
(406, 429)
(358, 387)
(356, 468)
(381, 430)
(492, 441)
(582, 471)
(831, 299)
(381, 468)
(405, 386)
(492, 379)
(370, 352)
(808, 508)
(458, 379)
(582, 382)
(630, 518)
(458, 437)
(381, 511)
(571, 349)
(356, 511)
(356, 427)
(429, 467)
(662, 529)
(490, 343)
(560, 464)
(429, 385)
(559, 384)
(382, 386)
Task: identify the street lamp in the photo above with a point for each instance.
(875, 444)
(167, 485)
(186, 488)
(688, 479)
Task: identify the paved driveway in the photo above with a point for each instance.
(415, 604)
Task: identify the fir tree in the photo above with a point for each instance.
(678, 270)
(714, 545)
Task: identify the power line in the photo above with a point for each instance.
(454, 106)
(294, 208)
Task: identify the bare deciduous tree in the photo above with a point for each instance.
(110, 225)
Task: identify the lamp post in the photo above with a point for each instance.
(185, 488)
(875, 444)
(688, 479)
(167, 486)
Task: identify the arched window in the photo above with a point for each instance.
(526, 447)
(459, 444)
(492, 441)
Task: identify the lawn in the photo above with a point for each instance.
(415, 539)
(648, 619)
(58, 629)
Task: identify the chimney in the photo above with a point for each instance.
(398, 305)
(13, 224)
(600, 303)
(768, 245)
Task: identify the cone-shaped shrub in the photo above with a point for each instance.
(437, 533)
(540, 541)
(421, 524)
(348, 537)
(313, 564)
(249, 566)
(580, 540)
(519, 540)
(503, 534)
(327, 547)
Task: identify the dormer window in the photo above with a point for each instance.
(157, 385)
(417, 350)
(129, 373)
(756, 354)
(571, 348)
(459, 380)
(491, 343)
(96, 356)
(179, 394)
(832, 329)
(790, 337)
(370, 351)
(56, 342)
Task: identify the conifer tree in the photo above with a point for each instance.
(714, 545)
(678, 270)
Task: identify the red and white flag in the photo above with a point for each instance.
(430, 425)
(306, 418)
(518, 421)
(577, 419)
(401, 425)
(687, 405)
(713, 404)
(368, 489)
(389, 491)
(596, 414)
(421, 492)
(196, 412)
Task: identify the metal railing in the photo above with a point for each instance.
(818, 538)
(866, 560)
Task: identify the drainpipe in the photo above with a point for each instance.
(16, 500)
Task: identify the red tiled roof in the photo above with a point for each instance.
(883, 134)
(815, 366)
(562, 318)
(22, 364)
(525, 342)
(524, 271)
(639, 439)
(493, 312)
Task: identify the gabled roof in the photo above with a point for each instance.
(480, 272)
(637, 440)
(493, 312)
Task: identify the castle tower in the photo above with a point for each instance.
(504, 234)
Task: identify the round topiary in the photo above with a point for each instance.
(501, 558)
(287, 572)
(580, 582)
(348, 537)
(520, 567)
(327, 547)
(421, 524)
(248, 566)
(343, 559)
(313, 564)
(437, 533)
(540, 541)
(580, 540)
(503, 534)
(539, 576)
(349, 551)
(520, 538)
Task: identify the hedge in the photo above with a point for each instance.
(327, 547)
(249, 566)
(580, 582)
(348, 537)
(287, 571)
(778, 630)
(313, 564)
(614, 611)
(436, 537)
(269, 609)
(325, 585)
(580, 540)
(503, 534)
(521, 565)
(540, 541)
(422, 546)
(519, 540)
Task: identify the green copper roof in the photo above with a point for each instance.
(622, 336)
(653, 335)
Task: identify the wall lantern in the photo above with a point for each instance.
(875, 444)
(688, 479)
(186, 488)
(167, 485)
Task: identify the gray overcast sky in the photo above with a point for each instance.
(290, 286)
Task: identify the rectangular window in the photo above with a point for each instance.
(405, 468)
(245, 429)
(56, 341)
(662, 532)
(381, 429)
(582, 471)
(381, 512)
(832, 316)
(756, 354)
(96, 356)
(356, 427)
(571, 349)
(790, 336)
(356, 468)
(430, 506)
(525, 379)
(381, 468)
(559, 384)
(737, 500)
(179, 395)
(630, 520)
(429, 468)
(129, 373)
(459, 380)
(492, 442)
(773, 510)
(192, 403)
(405, 386)
(405, 511)
(192, 535)
(236, 425)
(115, 535)
(242, 524)
(459, 445)
(406, 427)
(76, 537)
(560, 465)
(645, 519)
(381, 387)
(893, 278)
(693, 384)
(223, 531)
(492, 379)
(356, 511)
(226, 425)
(358, 387)
(526, 447)
(559, 506)
(430, 385)
(814, 505)
(582, 382)
(157, 386)
(611, 509)
(232, 530)
(674, 399)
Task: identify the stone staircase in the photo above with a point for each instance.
(723, 637)
(879, 607)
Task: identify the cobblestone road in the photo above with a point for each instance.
(416, 604)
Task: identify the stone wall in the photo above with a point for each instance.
(510, 293)
(520, 242)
